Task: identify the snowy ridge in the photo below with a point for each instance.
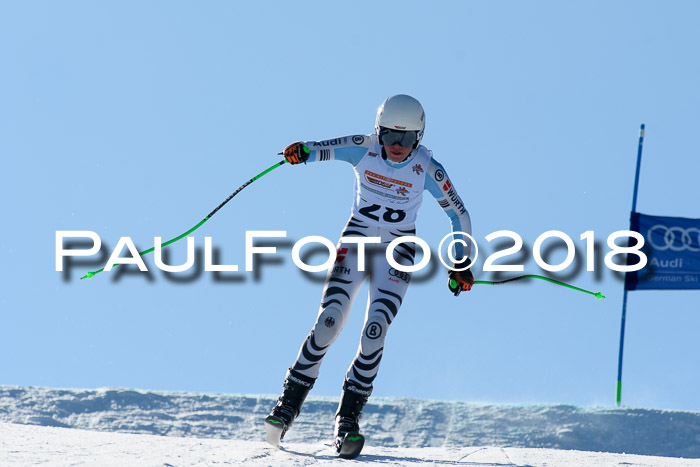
(388, 422)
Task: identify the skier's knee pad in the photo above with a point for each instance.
(328, 326)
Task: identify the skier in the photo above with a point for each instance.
(392, 170)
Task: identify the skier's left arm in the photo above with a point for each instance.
(440, 186)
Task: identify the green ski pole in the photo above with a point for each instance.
(91, 274)
(598, 295)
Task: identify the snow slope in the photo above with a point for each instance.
(46, 425)
(25, 445)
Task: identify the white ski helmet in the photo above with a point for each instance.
(401, 112)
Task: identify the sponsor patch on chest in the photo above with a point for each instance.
(387, 183)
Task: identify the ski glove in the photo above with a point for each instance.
(296, 153)
(460, 280)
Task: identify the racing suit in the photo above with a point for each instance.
(387, 197)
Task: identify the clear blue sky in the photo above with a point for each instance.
(136, 119)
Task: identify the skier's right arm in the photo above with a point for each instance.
(296, 153)
(345, 148)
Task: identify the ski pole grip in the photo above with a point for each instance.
(454, 287)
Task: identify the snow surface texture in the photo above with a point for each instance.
(400, 431)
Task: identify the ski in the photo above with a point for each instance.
(275, 429)
(351, 446)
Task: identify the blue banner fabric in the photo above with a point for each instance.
(672, 246)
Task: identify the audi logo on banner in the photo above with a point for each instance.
(674, 238)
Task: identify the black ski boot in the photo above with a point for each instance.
(348, 440)
(296, 388)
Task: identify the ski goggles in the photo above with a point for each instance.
(391, 137)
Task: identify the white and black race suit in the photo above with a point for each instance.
(386, 200)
